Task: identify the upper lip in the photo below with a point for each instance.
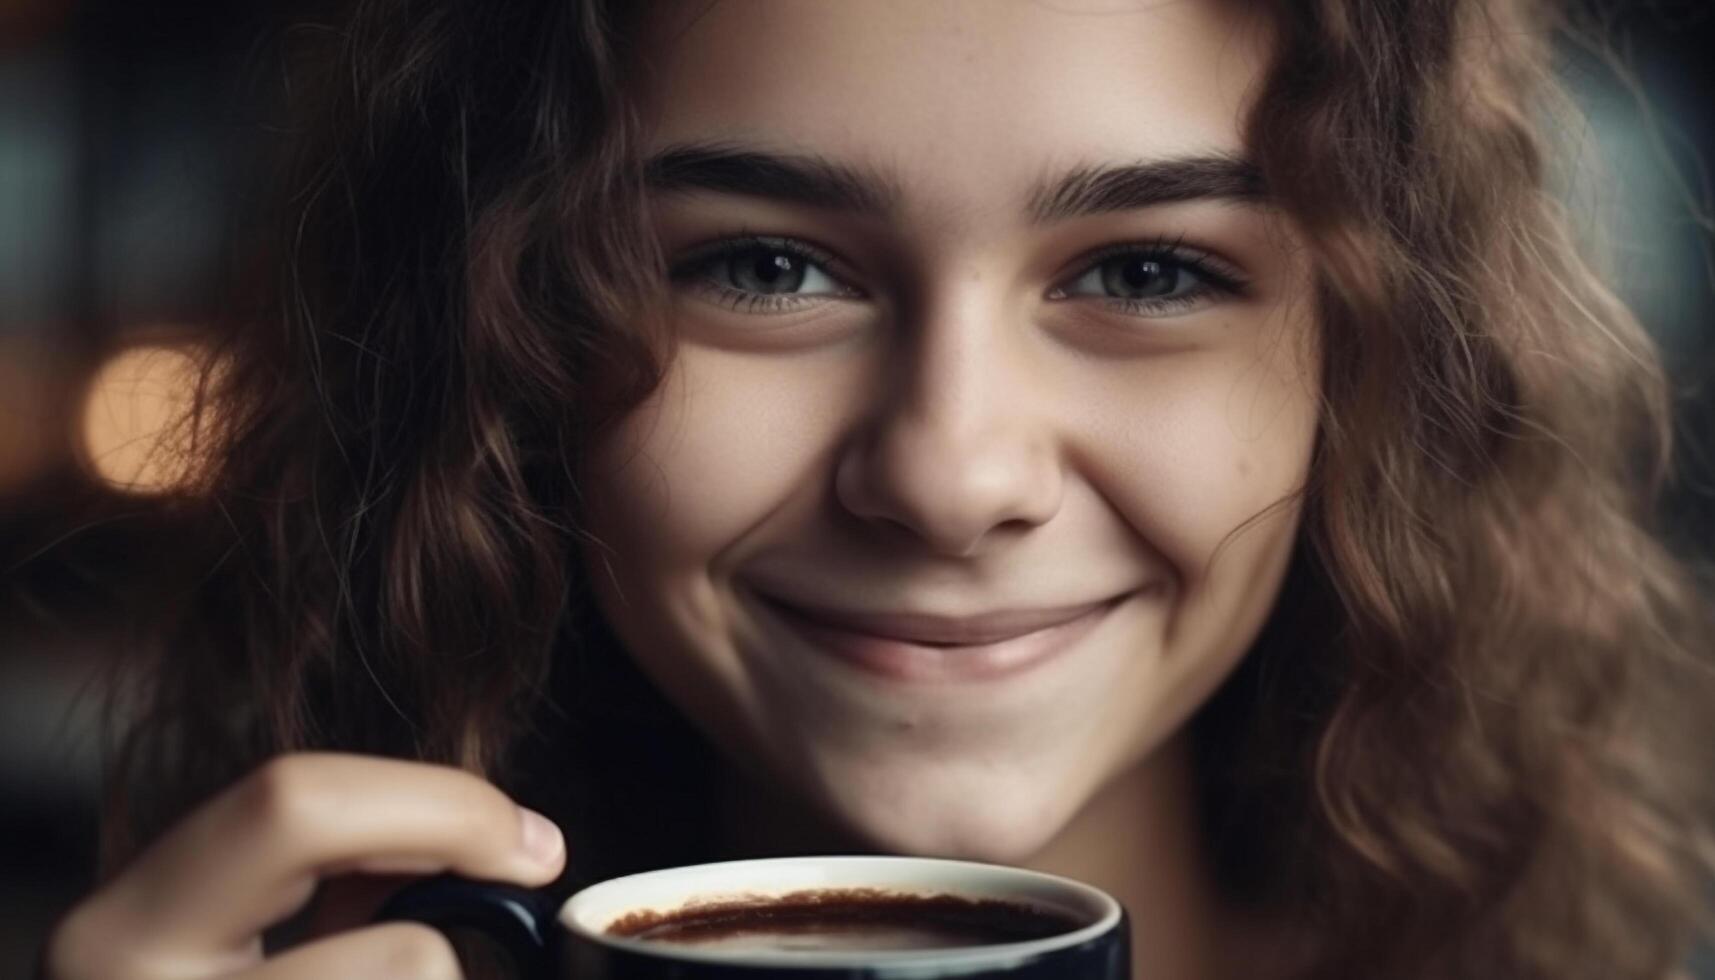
(935, 628)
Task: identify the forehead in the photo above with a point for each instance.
(954, 95)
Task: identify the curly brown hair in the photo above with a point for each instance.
(1469, 741)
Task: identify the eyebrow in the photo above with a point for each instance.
(1098, 189)
(731, 168)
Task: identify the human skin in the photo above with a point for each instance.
(195, 904)
(960, 426)
(946, 417)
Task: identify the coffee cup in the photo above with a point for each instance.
(855, 918)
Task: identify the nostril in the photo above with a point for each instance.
(951, 473)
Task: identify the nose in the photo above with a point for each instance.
(960, 449)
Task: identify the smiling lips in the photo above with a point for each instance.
(916, 647)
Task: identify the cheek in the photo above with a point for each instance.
(1187, 452)
(724, 443)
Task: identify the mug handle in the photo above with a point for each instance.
(520, 920)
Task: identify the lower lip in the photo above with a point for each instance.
(903, 661)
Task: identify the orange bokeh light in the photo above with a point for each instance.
(133, 419)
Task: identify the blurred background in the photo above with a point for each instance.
(131, 137)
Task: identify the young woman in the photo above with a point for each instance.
(1172, 445)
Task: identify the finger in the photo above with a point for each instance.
(253, 855)
(395, 951)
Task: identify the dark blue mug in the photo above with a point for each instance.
(572, 940)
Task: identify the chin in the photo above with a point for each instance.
(1002, 822)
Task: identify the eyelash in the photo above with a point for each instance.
(1215, 276)
(692, 269)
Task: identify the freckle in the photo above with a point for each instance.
(1244, 467)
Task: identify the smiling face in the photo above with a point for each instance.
(956, 499)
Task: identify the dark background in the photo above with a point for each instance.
(131, 134)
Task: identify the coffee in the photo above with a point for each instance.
(846, 919)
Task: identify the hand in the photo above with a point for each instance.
(195, 904)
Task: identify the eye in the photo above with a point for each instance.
(1153, 280)
(761, 274)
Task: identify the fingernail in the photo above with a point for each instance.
(542, 840)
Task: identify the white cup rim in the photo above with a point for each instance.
(588, 913)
